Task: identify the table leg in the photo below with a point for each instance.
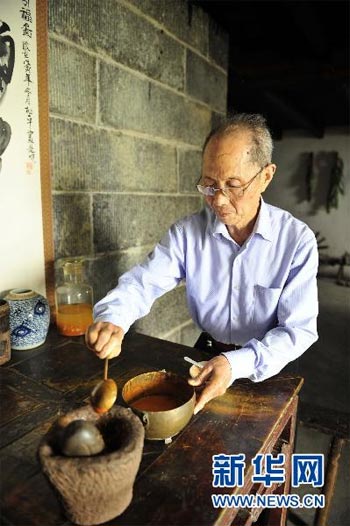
(278, 516)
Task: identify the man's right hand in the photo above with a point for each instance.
(104, 339)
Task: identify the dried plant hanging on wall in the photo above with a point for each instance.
(320, 241)
(336, 181)
(310, 175)
(320, 169)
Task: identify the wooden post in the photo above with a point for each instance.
(321, 517)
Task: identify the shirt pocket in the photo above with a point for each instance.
(265, 306)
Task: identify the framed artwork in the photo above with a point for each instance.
(26, 239)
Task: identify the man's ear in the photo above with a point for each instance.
(268, 174)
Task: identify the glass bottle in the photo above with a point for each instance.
(74, 300)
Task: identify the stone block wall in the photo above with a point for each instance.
(135, 86)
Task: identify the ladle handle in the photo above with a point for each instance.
(105, 372)
(193, 362)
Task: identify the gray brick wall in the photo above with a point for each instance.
(135, 86)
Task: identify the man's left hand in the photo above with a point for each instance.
(216, 378)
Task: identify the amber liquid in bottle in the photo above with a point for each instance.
(74, 299)
(74, 319)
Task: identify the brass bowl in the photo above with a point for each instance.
(164, 401)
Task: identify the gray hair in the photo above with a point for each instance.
(261, 140)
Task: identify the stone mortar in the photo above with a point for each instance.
(96, 489)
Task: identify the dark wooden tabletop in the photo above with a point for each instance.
(174, 482)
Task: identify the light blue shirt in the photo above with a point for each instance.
(261, 295)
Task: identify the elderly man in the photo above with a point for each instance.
(250, 268)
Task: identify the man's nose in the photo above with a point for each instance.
(220, 198)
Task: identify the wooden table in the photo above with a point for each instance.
(174, 482)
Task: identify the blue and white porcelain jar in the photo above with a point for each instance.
(29, 318)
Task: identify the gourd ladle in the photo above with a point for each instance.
(104, 393)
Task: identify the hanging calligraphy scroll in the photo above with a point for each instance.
(26, 248)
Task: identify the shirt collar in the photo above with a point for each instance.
(262, 224)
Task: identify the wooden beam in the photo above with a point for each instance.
(306, 19)
(295, 115)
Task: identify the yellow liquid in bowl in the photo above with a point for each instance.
(156, 403)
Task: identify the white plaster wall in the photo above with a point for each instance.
(287, 190)
(22, 262)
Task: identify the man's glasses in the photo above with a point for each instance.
(228, 191)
